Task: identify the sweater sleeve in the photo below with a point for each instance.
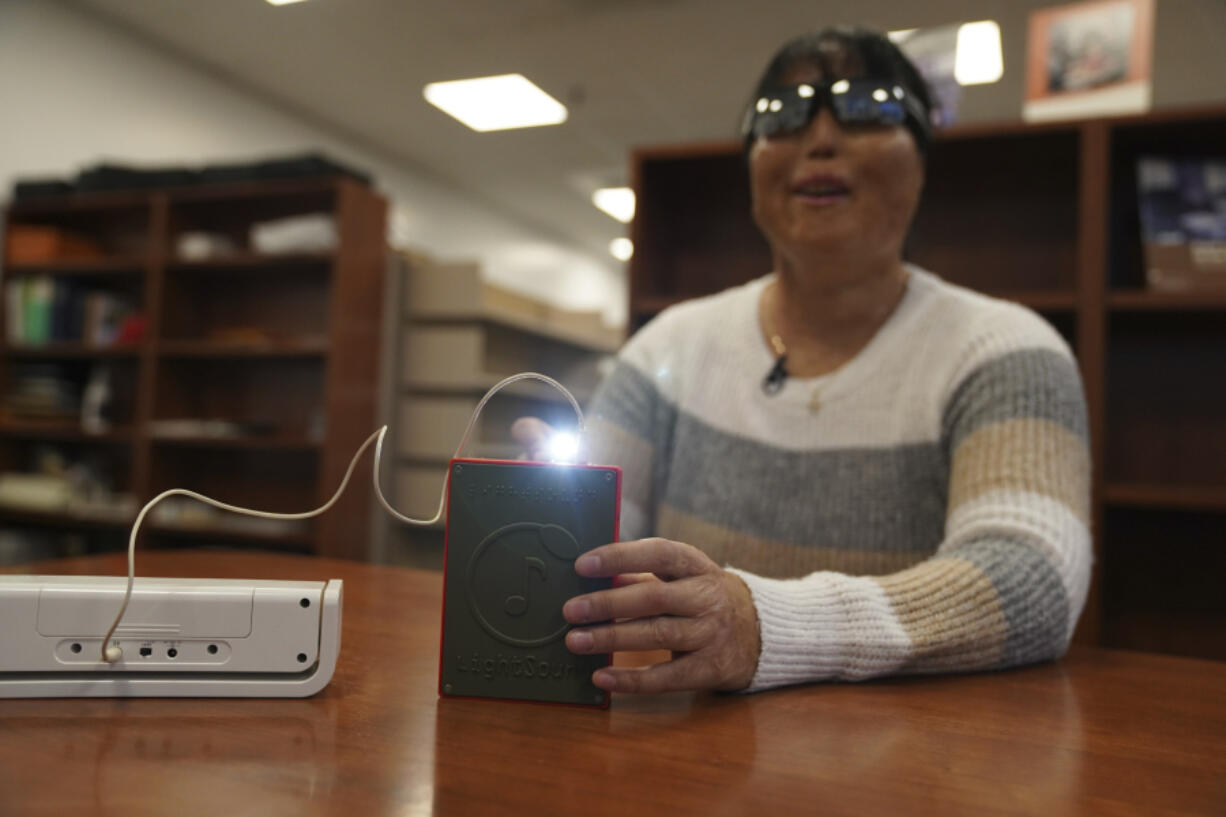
(1009, 579)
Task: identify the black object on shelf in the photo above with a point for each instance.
(27, 189)
(306, 166)
(111, 177)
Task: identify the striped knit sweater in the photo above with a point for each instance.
(924, 508)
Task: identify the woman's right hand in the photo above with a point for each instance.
(533, 435)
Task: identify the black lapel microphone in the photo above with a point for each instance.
(773, 382)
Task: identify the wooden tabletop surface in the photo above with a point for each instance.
(1100, 732)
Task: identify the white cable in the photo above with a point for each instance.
(112, 654)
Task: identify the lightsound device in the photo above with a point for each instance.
(514, 531)
(248, 638)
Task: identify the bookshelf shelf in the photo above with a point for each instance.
(100, 268)
(1040, 300)
(1164, 496)
(62, 431)
(251, 262)
(478, 386)
(252, 443)
(476, 449)
(585, 340)
(306, 347)
(64, 519)
(1146, 301)
(79, 351)
(308, 193)
(57, 206)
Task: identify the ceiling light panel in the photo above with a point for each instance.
(621, 248)
(616, 201)
(978, 59)
(496, 103)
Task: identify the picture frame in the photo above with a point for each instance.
(1089, 59)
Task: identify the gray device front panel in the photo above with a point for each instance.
(514, 531)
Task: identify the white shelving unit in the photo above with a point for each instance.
(458, 336)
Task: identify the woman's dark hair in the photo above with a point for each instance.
(847, 52)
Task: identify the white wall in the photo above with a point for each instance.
(75, 91)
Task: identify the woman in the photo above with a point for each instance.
(895, 470)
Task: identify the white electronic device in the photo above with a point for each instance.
(178, 637)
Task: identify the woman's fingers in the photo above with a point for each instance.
(674, 633)
(624, 579)
(663, 557)
(647, 598)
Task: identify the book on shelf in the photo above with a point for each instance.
(42, 310)
(43, 392)
(60, 397)
(1182, 204)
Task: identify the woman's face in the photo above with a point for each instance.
(833, 193)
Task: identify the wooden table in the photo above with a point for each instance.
(1100, 732)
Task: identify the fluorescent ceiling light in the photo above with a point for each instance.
(496, 103)
(282, 2)
(616, 201)
(978, 59)
(621, 249)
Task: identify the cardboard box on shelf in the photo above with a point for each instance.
(28, 244)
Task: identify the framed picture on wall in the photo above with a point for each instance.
(1089, 59)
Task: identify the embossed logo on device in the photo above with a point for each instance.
(514, 666)
(517, 579)
(530, 493)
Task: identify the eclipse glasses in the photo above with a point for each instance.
(788, 109)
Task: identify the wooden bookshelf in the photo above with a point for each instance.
(1045, 215)
(286, 343)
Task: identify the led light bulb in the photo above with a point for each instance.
(562, 447)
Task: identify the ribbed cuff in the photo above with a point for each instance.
(823, 626)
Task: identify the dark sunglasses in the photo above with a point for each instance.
(785, 110)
